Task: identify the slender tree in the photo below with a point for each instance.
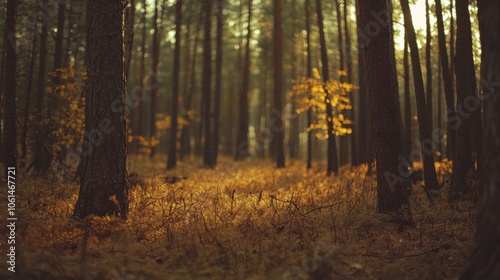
(483, 259)
(279, 133)
(309, 75)
(129, 33)
(344, 143)
(155, 84)
(385, 112)
(139, 112)
(207, 81)
(104, 181)
(430, 176)
(218, 83)
(332, 158)
(407, 104)
(466, 87)
(349, 79)
(172, 151)
(428, 63)
(10, 123)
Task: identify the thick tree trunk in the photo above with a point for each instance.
(430, 176)
(466, 87)
(172, 151)
(482, 263)
(242, 147)
(277, 119)
(207, 82)
(448, 83)
(332, 159)
(104, 184)
(385, 112)
(10, 122)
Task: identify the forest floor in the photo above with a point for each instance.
(242, 220)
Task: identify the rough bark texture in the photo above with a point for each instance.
(242, 147)
(385, 112)
(466, 86)
(104, 182)
(277, 119)
(448, 83)
(10, 123)
(332, 158)
(483, 260)
(172, 151)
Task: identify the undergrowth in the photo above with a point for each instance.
(242, 220)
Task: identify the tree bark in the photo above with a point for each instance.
(129, 34)
(428, 64)
(430, 176)
(279, 129)
(218, 84)
(139, 112)
(207, 82)
(104, 184)
(309, 75)
(172, 151)
(344, 143)
(154, 80)
(407, 104)
(352, 113)
(483, 260)
(10, 122)
(385, 112)
(332, 158)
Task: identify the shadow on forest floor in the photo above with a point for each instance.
(243, 220)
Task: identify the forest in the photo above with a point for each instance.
(250, 139)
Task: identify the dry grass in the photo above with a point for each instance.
(244, 220)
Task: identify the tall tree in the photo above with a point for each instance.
(385, 111)
(407, 104)
(332, 158)
(10, 122)
(430, 176)
(466, 87)
(218, 83)
(129, 33)
(139, 112)
(344, 144)
(172, 151)
(104, 181)
(207, 81)
(348, 60)
(447, 81)
(278, 132)
(428, 63)
(483, 259)
(242, 135)
(309, 75)
(155, 84)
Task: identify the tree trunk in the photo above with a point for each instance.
(385, 112)
(428, 64)
(407, 104)
(139, 112)
(154, 80)
(293, 139)
(10, 123)
(309, 75)
(172, 151)
(129, 34)
(218, 85)
(332, 160)
(242, 143)
(277, 119)
(352, 113)
(483, 260)
(207, 82)
(344, 143)
(430, 176)
(448, 83)
(104, 184)
(466, 87)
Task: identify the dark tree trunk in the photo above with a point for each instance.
(218, 85)
(344, 143)
(207, 82)
(41, 157)
(428, 64)
(483, 260)
(139, 112)
(172, 151)
(104, 184)
(452, 44)
(309, 75)
(277, 119)
(466, 87)
(407, 104)
(430, 176)
(385, 112)
(332, 159)
(154, 80)
(293, 139)
(58, 53)
(352, 113)
(448, 83)
(129, 34)
(363, 99)
(10, 122)
(242, 143)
